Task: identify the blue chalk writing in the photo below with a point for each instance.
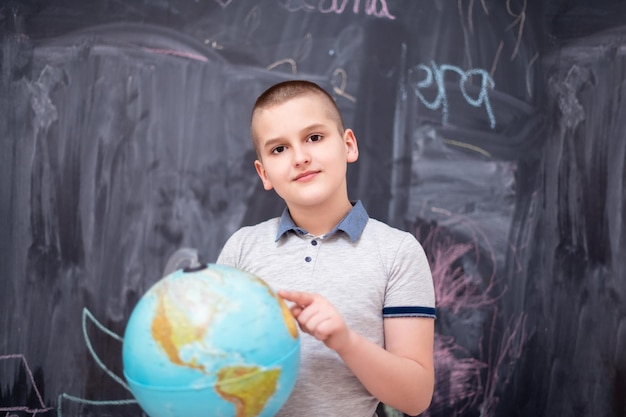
(434, 74)
(87, 315)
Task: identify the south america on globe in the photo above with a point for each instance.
(211, 341)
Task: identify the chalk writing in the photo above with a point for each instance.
(504, 355)
(223, 3)
(435, 77)
(376, 8)
(470, 20)
(303, 50)
(494, 66)
(529, 73)
(40, 407)
(87, 315)
(252, 20)
(339, 80)
(471, 147)
(188, 55)
(520, 19)
(291, 62)
(469, 381)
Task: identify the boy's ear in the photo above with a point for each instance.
(352, 149)
(267, 185)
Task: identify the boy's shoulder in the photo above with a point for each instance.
(379, 228)
(259, 229)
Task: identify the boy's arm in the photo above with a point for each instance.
(401, 376)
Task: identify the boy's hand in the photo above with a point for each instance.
(317, 317)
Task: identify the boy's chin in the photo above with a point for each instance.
(309, 201)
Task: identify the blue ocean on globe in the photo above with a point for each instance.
(211, 341)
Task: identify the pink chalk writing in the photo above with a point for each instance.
(40, 407)
(376, 8)
(469, 380)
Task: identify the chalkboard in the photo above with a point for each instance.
(492, 130)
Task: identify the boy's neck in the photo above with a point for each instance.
(319, 220)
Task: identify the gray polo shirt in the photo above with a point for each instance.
(368, 270)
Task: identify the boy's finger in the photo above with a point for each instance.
(296, 310)
(300, 298)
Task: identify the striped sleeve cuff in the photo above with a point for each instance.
(389, 312)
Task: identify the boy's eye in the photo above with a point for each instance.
(278, 149)
(315, 138)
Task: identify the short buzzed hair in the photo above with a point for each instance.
(287, 90)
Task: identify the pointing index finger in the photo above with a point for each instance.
(300, 298)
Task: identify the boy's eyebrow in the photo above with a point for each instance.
(270, 142)
(313, 126)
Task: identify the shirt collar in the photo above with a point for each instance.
(352, 225)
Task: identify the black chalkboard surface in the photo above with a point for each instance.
(493, 130)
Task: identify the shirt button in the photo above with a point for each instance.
(308, 259)
(314, 242)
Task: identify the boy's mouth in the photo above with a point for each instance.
(305, 176)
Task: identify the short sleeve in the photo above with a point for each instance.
(230, 251)
(410, 290)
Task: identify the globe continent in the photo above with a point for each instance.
(215, 341)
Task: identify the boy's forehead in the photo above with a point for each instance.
(309, 104)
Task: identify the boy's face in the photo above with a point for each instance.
(302, 153)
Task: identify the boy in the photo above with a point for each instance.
(361, 291)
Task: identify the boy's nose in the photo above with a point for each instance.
(301, 156)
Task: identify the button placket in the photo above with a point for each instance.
(315, 243)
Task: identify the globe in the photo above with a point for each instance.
(211, 341)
